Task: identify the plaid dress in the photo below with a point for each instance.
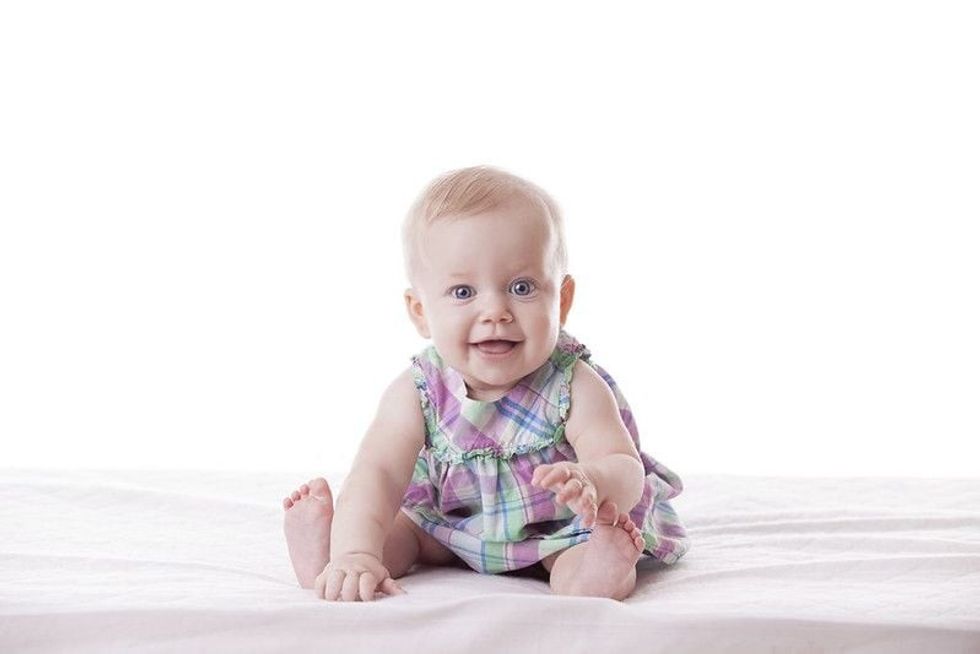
(471, 488)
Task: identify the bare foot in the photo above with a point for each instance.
(309, 511)
(608, 564)
(611, 519)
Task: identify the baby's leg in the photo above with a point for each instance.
(604, 565)
(407, 544)
(309, 514)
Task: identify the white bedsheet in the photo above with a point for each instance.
(160, 561)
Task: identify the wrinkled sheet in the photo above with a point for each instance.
(161, 561)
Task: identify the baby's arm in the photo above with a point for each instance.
(372, 493)
(606, 455)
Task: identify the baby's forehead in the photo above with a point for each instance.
(516, 234)
(500, 263)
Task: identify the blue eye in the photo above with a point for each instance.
(462, 292)
(522, 287)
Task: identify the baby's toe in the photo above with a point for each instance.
(286, 502)
(626, 523)
(295, 496)
(321, 489)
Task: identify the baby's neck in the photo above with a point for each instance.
(489, 395)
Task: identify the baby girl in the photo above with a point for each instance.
(502, 446)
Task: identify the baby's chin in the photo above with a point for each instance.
(501, 372)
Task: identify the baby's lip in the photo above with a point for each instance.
(490, 340)
(496, 347)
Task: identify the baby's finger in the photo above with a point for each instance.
(590, 495)
(391, 588)
(349, 593)
(335, 581)
(540, 472)
(585, 504)
(588, 517)
(584, 507)
(551, 474)
(570, 491)
(368, 584)
(319, 584)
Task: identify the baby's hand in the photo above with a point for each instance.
(348, 577)
(573, 487)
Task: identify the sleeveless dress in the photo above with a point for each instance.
(471, 488)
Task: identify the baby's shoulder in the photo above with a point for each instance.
(397, 433)
(586, 381)
(400, 400)
(591, 400)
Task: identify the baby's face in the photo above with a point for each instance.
(491, 277)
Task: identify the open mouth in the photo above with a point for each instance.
(496, 347)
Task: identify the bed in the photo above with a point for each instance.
(163, 561)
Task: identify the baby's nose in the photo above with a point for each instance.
(495, 310)
(497, 316)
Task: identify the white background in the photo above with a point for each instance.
(772, 215)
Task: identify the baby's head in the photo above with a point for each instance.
(485, 255)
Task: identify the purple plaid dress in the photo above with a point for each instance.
(471, 488)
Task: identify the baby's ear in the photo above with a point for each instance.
(413, 304)
(567, 295)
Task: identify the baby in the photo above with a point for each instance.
(502, 446)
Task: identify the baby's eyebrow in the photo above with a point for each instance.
(525, 269)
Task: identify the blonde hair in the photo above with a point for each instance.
(467, 192)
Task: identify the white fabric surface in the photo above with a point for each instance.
(160, 561)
